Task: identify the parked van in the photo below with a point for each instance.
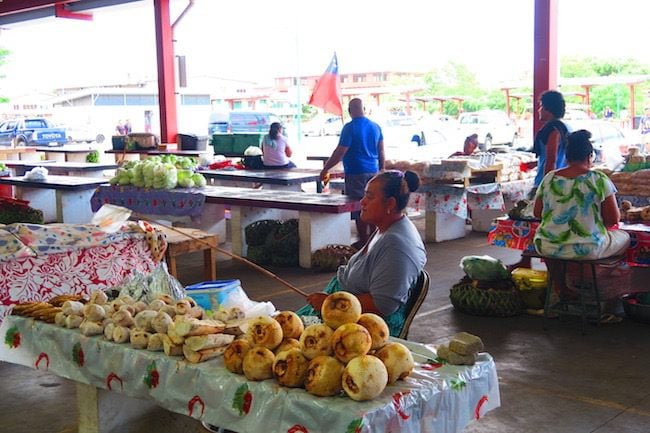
(237, 122)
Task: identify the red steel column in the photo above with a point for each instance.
(545, 63)
(166, 78)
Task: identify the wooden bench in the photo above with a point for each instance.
(188, 241)
(64, 199)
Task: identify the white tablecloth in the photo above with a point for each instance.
(435, 398)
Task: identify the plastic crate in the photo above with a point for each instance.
(210, 294)
(191, 142)
(241, 142)
(222, 143)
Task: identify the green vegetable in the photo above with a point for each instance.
(484, 268)
(92, 156)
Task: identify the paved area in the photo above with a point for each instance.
(550, 381)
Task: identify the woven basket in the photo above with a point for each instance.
(257, 232)
(330, 257)
(468, 298)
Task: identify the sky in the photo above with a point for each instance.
(257, 40)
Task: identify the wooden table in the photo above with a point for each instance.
(64, 199)
(290, 179)
(16, 153)
(71, 153)
(65, 168)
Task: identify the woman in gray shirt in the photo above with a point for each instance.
(382, 273)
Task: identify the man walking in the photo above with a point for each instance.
(361, 148)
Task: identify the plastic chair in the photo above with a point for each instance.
(418, 293)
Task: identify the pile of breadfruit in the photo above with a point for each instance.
(349, 352)
(177, 327)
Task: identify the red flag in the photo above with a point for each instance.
(327, 91)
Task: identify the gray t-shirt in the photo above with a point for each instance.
(388, 269)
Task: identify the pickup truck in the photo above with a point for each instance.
(31, 131)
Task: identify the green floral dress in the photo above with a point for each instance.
(572, 226)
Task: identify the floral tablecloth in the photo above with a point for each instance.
(38, 262)
(436, 397)
(456, 199)
(519, 235)
(150, 201)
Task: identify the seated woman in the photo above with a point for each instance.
(275, 149)
(383, 271)
(576, 204)
(469, 146)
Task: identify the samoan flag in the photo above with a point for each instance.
(327, 91)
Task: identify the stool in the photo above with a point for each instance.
(179, 244)
(583, 306)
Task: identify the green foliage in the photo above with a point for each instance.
(3, 55)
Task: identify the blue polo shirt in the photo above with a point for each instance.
(361, 136)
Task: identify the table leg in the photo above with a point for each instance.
(73, 207)
(87, 408)
(440, 227)
(76, 157)
(43, 199)
(317, 230)
(55, 156)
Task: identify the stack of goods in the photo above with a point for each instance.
(634, 214)
(175, 327)
(273, 242)
(419, 167)
(462, 349)
(160, 172)
(636, 183)
(634, 160)
(516, 166)
(486, 289)
(349, 352)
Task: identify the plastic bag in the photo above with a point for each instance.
(484, 268)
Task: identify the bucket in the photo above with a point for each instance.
(209, 295)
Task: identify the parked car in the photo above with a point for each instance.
(492, 127)
(609, 140)
(322, 125)
(405, 138)
(84, 134)
(238, 122)
(34, 131)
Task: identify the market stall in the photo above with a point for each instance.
(453, 188)
(40, 261)
(435, 397)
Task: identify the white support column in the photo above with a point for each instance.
(317, 230)
(73, 207)
(38, 198)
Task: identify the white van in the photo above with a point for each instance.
(237, 122)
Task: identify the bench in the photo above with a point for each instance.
(63, 199)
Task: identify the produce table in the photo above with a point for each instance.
(65, 153)
(519, 235)
(440, 398)
(55, 259)
(19, 152)
(83, 169)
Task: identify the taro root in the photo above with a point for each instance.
(377, 328)
(349, 341)
(340, 308)
(364, 378)
(290, 368)
(324, 375)
(287, 343)
(316, 340)
(291, 324)
(258, 363)
(397, 359)
(264, 331)
(233, 357)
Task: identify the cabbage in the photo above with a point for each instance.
(199, 180)
(484, 268)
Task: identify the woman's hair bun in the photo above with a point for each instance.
(412, 180)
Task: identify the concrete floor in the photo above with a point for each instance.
(550, 381)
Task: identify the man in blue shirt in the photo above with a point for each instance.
(361, 148)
